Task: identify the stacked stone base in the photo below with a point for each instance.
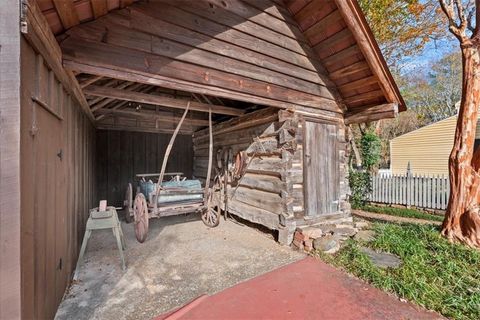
(326, 237)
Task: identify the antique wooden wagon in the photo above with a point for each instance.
(91, 91)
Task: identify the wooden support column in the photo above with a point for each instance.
(10, 213)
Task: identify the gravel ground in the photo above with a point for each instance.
(180, 260)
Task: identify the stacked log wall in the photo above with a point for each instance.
(260, 195)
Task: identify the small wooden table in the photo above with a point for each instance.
(97, 220)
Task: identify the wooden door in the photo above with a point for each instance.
(321, 172)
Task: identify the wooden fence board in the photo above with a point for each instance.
(420, 191)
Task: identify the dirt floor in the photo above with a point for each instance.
(180, 260)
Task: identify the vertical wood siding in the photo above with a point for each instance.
(57, 185)
(123, 154)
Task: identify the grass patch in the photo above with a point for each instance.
(435, 273)
(401, 212)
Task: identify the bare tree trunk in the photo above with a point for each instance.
(462, 218)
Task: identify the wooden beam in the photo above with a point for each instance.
(373, 113)
(139, 128)
(358, 84)
(331, 61)
(164, 117)
(159, 100)
(166, 72)
(89, 81)
(364, 97)
(39, 35)
(67, 13)
(349, 70)
(158, 80)
(11, 137)
(355, 20)
(99, 8)
(121, 104)
(127, 86)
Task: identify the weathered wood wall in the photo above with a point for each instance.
(122, 154)
(272, 192)
(258, 197)
(57, 184)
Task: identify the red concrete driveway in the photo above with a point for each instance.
(308, 289)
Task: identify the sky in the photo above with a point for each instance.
(433, 51)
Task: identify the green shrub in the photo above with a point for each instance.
(360, 186)
(360, 179)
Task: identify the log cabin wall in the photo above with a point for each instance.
(272, 192)
(57, 184)
(260, 194)
(297, 186)
(123, 154)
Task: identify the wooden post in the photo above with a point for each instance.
(10, 213)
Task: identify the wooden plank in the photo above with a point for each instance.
(42, 39)
(67, 13)
(99, 8)
(315, 32)
(10, 166)
(164, 117)
(261, 17)
(333, 62)
(127, 74)
(145, 23)
(355, 20)
(254, 214)
(158, 100)
(388, 110)
(358, 84)
(101, 103)
(89, 81)
(224, 17)
(308, 14)
(363, 97)
(217, 31)
(349, 70)
(129, 38)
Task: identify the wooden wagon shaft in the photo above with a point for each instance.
(210, 153)
(167, 153)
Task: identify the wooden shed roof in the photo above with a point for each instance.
(292, 53)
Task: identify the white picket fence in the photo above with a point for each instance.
(414, 190)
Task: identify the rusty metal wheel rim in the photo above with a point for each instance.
(140, 213)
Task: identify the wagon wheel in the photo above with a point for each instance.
(140, 213)
(128, 204)
(211, 214)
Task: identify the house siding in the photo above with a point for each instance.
(427, 149)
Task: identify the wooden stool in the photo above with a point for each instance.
(107, 219)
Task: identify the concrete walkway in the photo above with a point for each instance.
(180, 260)
(308, 289)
